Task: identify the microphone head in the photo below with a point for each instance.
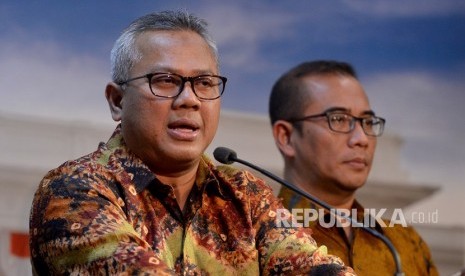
(224, 155)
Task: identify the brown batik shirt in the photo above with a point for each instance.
(106, 213)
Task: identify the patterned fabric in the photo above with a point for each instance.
(366, 254)
(106, 213)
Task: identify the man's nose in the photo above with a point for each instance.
(358, 135)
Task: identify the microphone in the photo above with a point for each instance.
(228, 156)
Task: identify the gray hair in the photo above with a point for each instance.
(125, 54)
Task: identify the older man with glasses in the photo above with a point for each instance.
(326, 132)
(149, 202)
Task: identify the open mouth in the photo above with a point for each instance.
(184, 129)
(179, 126)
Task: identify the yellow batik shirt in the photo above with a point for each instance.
(366, 254)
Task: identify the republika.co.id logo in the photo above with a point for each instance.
(303, 217)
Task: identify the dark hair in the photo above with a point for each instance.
(288, 97)
(125, 53)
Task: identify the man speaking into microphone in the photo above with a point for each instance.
(148, 201)
(326, 133)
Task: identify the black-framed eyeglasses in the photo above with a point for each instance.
(170, 85)
(344, 123)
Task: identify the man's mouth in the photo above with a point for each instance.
(183, 129)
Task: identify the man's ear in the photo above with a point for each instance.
(114, 95)
(282, 131)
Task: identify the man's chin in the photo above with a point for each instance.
(352, 187)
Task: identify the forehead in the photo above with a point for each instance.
(335, 90)
(175, 50)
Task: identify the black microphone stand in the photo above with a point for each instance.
(232, 157)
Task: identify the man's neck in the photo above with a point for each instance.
(337, 198)
(181, 183)
(337, 201)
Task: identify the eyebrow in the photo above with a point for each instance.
(346, 110)
(166, 69)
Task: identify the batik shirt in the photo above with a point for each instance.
(365, 253)
(106, 213)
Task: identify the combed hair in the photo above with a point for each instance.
(288, 97)
(125, 53)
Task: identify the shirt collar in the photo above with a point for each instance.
(295, 200)
(116, 155)
(206, 178)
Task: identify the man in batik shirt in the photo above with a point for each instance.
(149, 201)
(326, 132)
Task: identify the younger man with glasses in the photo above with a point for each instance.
(149, 202)
(326, 132)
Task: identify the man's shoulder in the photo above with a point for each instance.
(240, 179)
(400, 230)
(85, 170)
(78, 165)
